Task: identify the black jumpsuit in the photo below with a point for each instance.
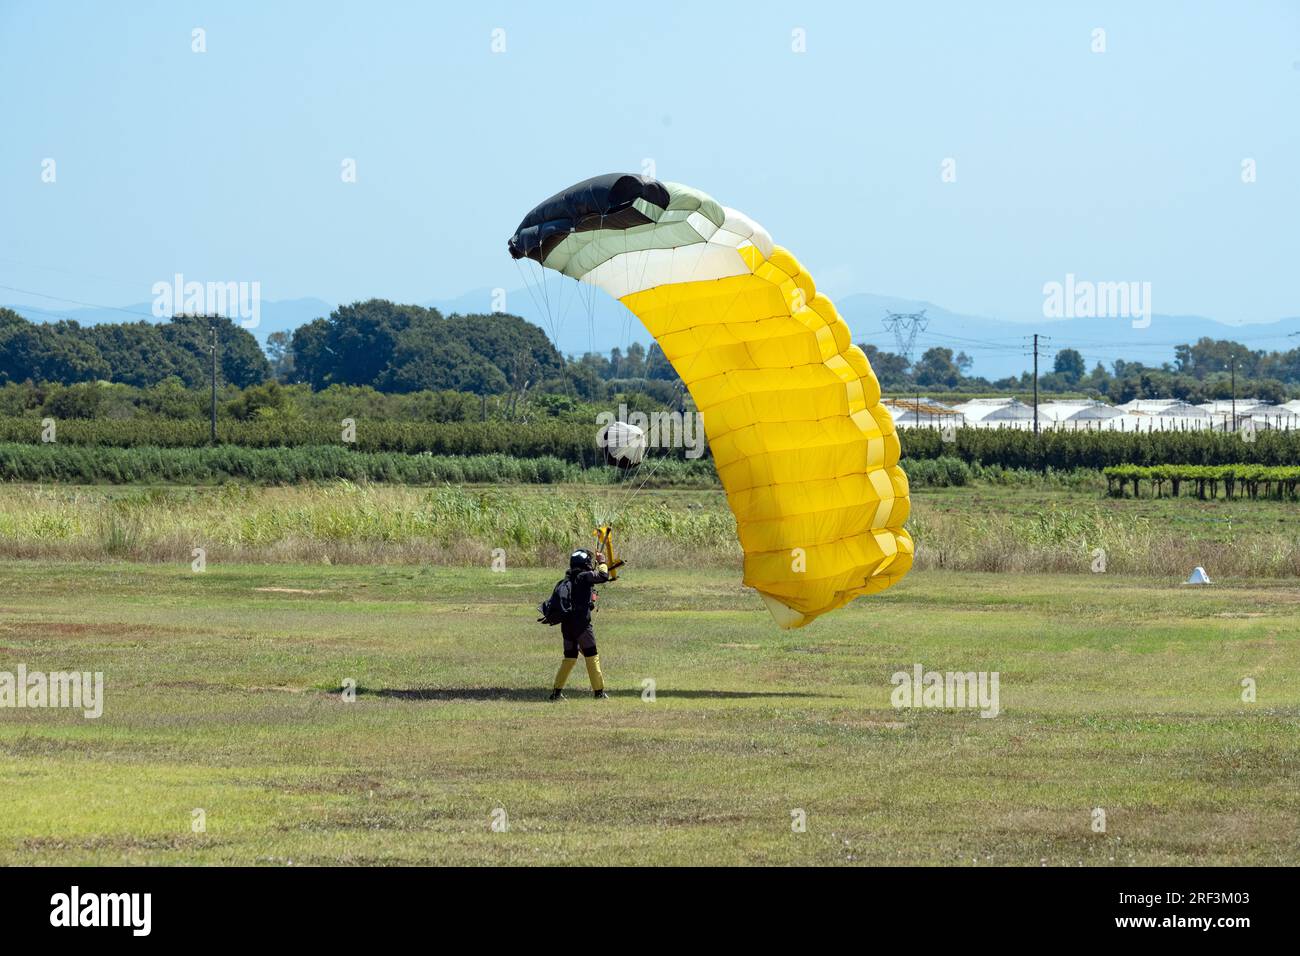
(576, 629)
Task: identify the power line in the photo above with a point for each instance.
(53, 315)
(89, 305)
(971, 343)
(990, 343)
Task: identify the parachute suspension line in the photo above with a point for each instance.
(557, 323)
(588, 300)
(629, 498)
(528, 286)
(565, 306)
(543, 305)
(624, 477)
(558, 326)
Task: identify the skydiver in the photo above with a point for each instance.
(576, 627)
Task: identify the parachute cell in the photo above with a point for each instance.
(807, 455)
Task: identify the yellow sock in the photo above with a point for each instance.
(562, 675)
(593, 672)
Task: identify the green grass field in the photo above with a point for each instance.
(222, 694)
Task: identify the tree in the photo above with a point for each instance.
(355, 345)
(1268, 390)
(585, 383)
(240, 359)
(1283, 366)
(259, 401)
(1208, 356)
(405, 348)
(81, 400)
(1069, 365)
(892, 369)
(46, 352)
(598, 364)
(656, 365)
(518, 348)
(279, 349)
(311, 354)
(424, 359)
(1098, 379)
(137, 353)
(634, 362)
(937, 368)
(171, 399)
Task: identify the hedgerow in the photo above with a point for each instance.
(575, 442)
(1204, 481)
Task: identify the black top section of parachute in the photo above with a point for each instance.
(602, 202)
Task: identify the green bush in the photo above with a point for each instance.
(276, 466)
(1069, 450)
(575, 441)
(937, 472)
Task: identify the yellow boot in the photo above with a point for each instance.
(561, 677)
(597, 678)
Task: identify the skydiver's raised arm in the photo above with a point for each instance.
(601, 573)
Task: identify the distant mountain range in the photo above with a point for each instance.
(998, 347)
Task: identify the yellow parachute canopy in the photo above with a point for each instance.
(806, 453)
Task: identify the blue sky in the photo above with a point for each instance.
(225, 165)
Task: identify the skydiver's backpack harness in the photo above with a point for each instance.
(559, 608)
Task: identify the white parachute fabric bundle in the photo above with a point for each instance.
(624, 445)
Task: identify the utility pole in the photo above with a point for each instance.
(1234, 393)
(1036, 383)
(212, 328)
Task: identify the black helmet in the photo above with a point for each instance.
(580, 560)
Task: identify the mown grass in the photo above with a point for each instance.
(222, 694)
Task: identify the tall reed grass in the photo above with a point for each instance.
(449, 525)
